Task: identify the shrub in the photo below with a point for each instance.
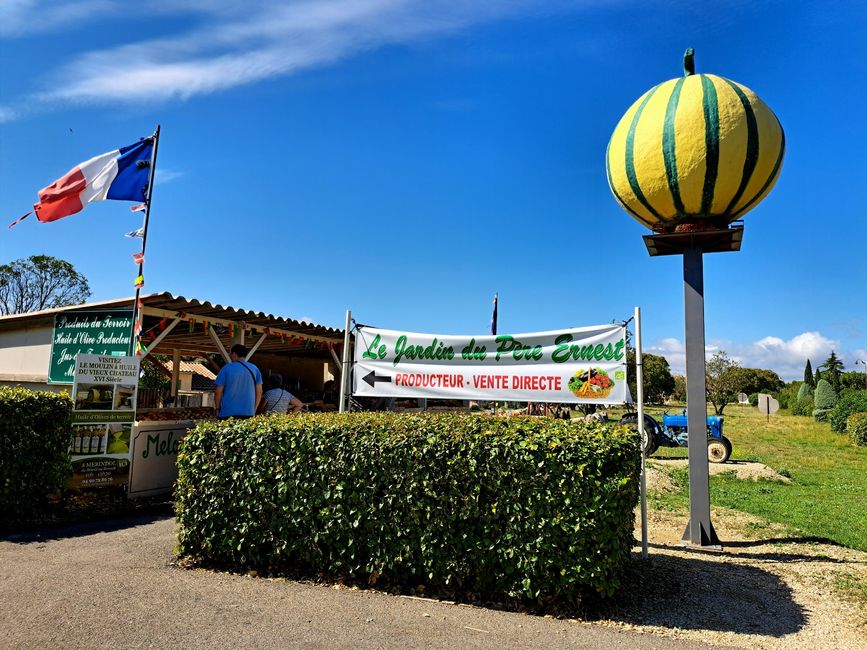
(821, 415)
(34, 438)
(803, 406)
(805, 390)
(754, 399)
(825, 396)
(856, 427)
(520, 509)
(850, 402)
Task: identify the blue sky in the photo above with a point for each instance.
(409, 159)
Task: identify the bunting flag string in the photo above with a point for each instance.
(138, 208)
(136, 233)
(138, 258)
(20, 219)
(139, 282)
(192, 323)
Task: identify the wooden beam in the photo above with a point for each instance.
(336, 358)
(176, 371)
(256, 346)
(165, 313)
(160, 337)
(220, 347)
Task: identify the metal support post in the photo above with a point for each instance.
(346, 368)
(639, 385)
(699, 531)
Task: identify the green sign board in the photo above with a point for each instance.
(103, 332)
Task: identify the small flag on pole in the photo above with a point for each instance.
(136, 233)
(138, 208)
(139, 282)
(494, 316)
(138, 258)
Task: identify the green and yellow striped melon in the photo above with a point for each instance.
(698, 149)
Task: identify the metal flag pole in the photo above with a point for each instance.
(134, 340)
(639, 385)
(346, 368)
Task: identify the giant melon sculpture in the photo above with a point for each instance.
(695, 152)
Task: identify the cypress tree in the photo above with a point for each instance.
(808, 375)
(816, 378)
(825, 397)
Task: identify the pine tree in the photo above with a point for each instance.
(808, 375)
(833, 366)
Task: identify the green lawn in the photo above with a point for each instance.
(828, 495)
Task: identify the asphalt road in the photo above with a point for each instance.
(112, 585)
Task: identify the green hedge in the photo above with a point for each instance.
(34, 439)
(803, 406)
(851, 401)
(531, 510)
(856, 427)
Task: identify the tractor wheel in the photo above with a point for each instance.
(651, 427)
(718, 450)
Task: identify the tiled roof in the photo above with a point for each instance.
(193, 367)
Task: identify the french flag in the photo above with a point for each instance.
(121, 174)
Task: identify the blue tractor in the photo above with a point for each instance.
(672, 433)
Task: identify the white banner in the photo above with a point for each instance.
(580, 365)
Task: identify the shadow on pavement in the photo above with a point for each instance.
(106, 525)
(696, 594)
(771, 556)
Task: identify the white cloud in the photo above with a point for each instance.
(230, 43)
(166, 175)
(23, 17)
(786, 358)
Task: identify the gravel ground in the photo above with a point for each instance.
(112, 584)
(773, 592)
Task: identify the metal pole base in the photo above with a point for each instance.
(707, 537)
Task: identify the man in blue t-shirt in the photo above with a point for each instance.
(239, 386)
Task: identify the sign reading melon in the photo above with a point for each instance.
(580, 365)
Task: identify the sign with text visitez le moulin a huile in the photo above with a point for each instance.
(104, 399)
(579, 365)
(105, 332)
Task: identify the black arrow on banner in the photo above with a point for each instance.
(371, 378)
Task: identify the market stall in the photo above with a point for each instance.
(39, 350)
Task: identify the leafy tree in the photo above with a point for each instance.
(154, 375)
(808, 375)
(853, 379)
(679, 392)
(833, 367)
(755, 380)
(658, 380)
(40, 282)
(721, 381)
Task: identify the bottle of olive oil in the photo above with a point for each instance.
(94, 442)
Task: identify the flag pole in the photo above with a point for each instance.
(136, 328)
